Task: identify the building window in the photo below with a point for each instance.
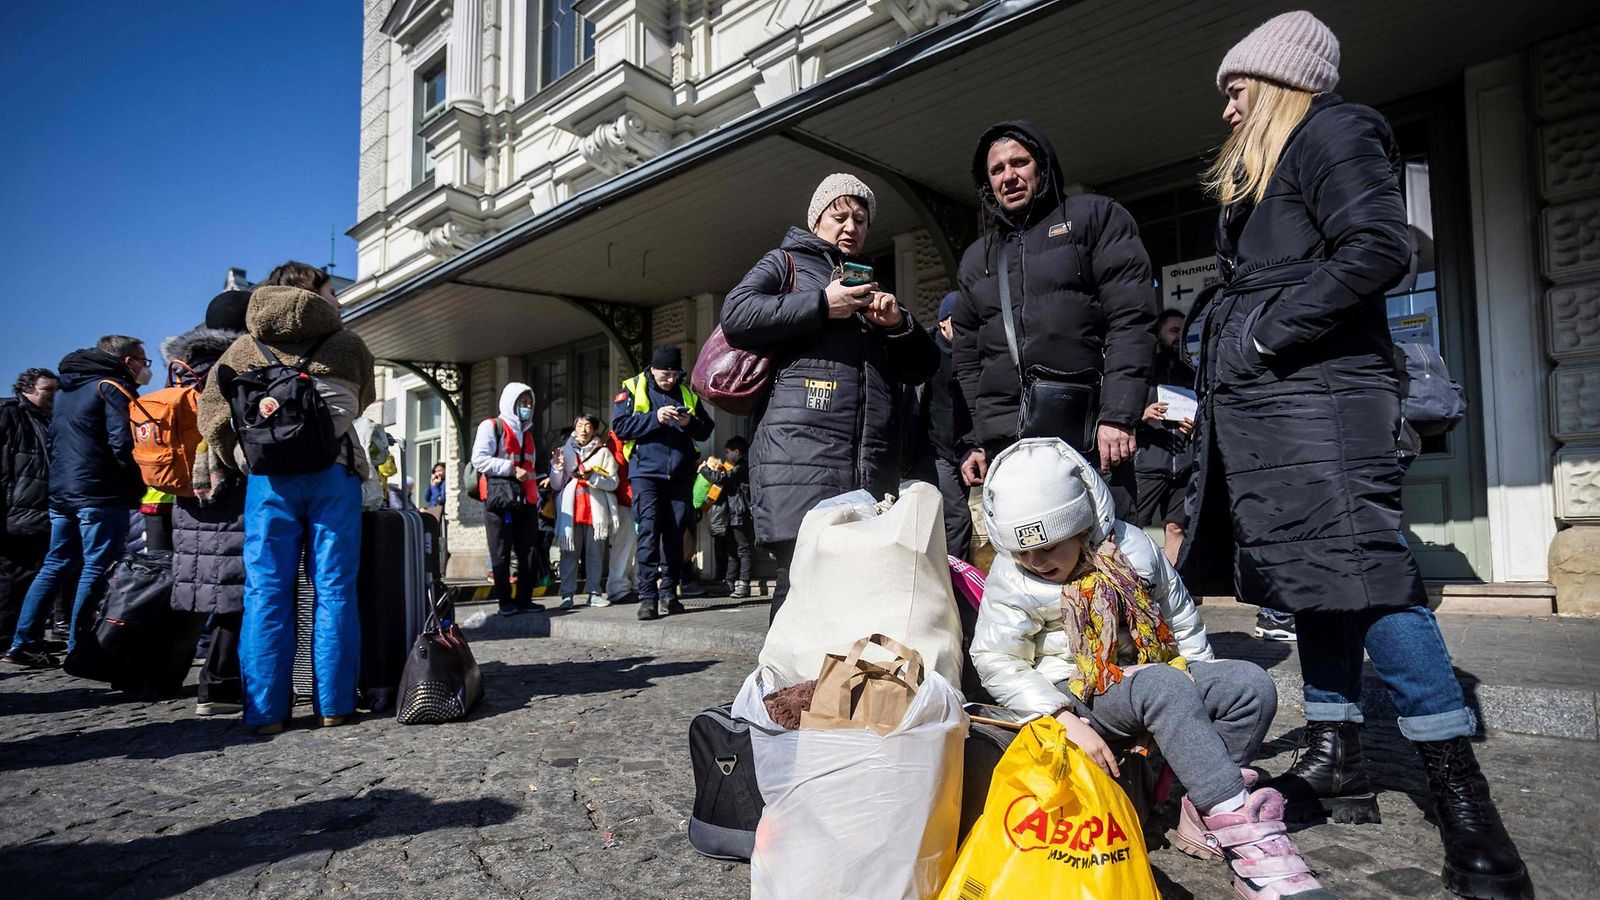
(429, 103)
(570, 380)
(424, 437)
(565, 40)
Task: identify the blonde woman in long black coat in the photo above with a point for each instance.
(1297, 498)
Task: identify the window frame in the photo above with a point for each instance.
(436, 68)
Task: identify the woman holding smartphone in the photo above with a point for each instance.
(842, 348)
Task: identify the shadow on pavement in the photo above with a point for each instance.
(170, 864)
(510, 687)
(1239, 645)
(148, 740)
(65, 700)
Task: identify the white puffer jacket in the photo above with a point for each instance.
(1020, 647)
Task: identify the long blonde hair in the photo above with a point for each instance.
(1250, 155)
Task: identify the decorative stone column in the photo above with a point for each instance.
(1567, 103)
(464, 78)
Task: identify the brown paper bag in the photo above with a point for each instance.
(853, 693)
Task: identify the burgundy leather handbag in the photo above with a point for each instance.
(733, 380)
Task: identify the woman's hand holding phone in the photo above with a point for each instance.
(845, 301)
(884, 310)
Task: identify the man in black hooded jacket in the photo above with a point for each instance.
(94, 483)
(1083, 302)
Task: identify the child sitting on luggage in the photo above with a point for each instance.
(1084, 619)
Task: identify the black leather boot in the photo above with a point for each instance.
(1327, 777)
(1480, 861)
(647, 608)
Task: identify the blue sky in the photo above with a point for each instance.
(153, 145)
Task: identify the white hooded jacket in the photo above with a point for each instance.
(484, 458)
(1020, 646)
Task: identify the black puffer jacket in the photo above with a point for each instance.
(1297, 499)
(24, 467)
(207, 541)
(91, 444)
(830, 425)
(1081, 288)
(208, 553)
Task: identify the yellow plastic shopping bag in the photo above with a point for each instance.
(1054, 826)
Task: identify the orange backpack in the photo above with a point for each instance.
(166, 435)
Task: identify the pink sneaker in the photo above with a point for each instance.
(1266, 865)
(1191, 834)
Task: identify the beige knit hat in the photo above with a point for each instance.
(1295, 49)
(840, 184)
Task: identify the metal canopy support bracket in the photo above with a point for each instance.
(626, 325)
(449, 382)
(952, 224)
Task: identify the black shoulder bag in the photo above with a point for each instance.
(1056, 404)
(503, 492)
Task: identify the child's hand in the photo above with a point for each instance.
(1080, 732)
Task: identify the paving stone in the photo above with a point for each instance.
(574, 742)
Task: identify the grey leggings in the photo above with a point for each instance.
(1206, 729)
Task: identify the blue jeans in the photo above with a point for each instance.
(96, 535)
(1408, 652)
(283, 513)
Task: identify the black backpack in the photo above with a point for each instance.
(727, 800)
(282, 423)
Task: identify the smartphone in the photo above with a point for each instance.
(855, 274)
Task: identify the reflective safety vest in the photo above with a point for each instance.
(639, 387)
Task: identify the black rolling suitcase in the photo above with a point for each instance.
(984, 746)
(400, 569)
(727, 799)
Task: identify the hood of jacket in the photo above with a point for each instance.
(81, 367)
(508, 405)
(279, 313)
(1052, 184)
(799, 240)
(199, 347)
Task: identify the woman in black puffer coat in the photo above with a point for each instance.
(843, 353)
(1296, 504)
(208, 529)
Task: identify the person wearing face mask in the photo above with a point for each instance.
(843, 352)
(506, 447)
(293, 317)
(94, 482)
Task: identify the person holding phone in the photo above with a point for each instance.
(842, 348)
(659, 418)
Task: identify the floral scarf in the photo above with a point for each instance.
(1105, 592)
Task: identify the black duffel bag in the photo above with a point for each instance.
(727, 800)
(138, 600)
(441, 681)
(137, 641)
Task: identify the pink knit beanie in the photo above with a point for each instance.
(1295, 49)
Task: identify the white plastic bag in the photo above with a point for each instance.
(850, 813)
(858, 570)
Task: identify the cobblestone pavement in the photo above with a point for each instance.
(570, 782)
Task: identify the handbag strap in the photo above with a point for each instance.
(1005, 305)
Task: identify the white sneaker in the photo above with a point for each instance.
(566, 602)
(599, 600)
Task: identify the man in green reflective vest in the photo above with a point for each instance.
(659, 419)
